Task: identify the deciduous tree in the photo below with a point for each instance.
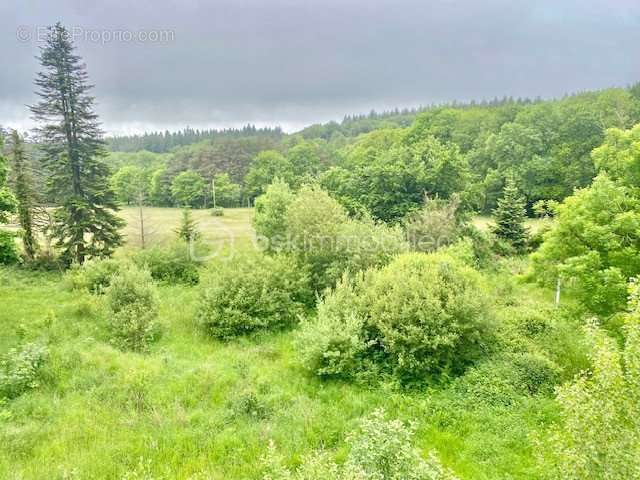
(25, 196)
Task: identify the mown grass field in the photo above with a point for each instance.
(233, 227)
(484, 222)
(160, 225)
(195, 408)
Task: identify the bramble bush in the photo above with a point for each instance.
(253, 292)
(380, 449)
(94, 275)
(20, 368)
(422, 315)
(508, 378)
(132, 306)
(173, 264)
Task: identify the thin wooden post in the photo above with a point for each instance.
(141, 214)
(213, 190)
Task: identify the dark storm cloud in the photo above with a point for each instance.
(223, 63)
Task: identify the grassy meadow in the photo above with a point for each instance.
(233, 227)
(160, 225)
(197, 408)
(358, 323)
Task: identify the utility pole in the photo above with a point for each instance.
(141, 215)
(213, 190)
(558, 291)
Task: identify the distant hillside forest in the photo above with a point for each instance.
(384, 164)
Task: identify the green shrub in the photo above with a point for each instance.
(593, 246)
(379, 450)
(382, 449)
(437, 224)
(333, 345)
(482, 245)
(313, 224)
(45, 261)
(249, 404)
(541, 330)
(94, 275)
(8, 250)
(599, 432)
(503, 248)
(252, 292)
(427, 312)
(270, 215)
(508, 378)
(536, 238)
(20, 369)
(361, 244)
(330, 244)
(315, 228)
(423, 314)
(132, 304)
(462, 251)
(217, 212)
(172, 265)
(531, 322)
(533, 373)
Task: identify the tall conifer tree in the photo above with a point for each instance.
(510, 216)
(85, 223)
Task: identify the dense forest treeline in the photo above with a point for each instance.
(161, 142)
(350, 126)
(469, 149)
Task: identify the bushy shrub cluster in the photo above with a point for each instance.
(507, 378)
(8, 250)
(252, 292)
(323, 237)
(132, 305)
(437, 224)
(535, 347)
(173, 264)
(270, 215)
(421, 315)
(316, 230)
(20, 368)
(217, 212)
(94, 275)
(599, 435)
(379, 450)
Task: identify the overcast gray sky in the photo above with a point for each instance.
(292, 63)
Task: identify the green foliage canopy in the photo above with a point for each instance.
(594, 245)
